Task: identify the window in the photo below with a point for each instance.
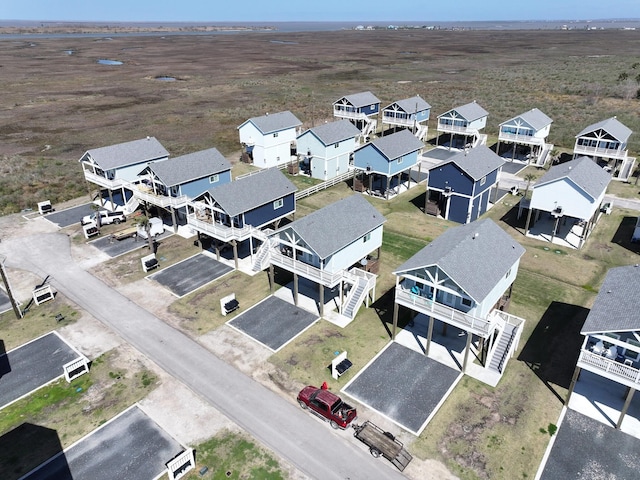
(508, 273)
(214, 178)
(400, 160)
(367, 237)
(275, 134)
(483, 180)
(278, 204)
(336, 145)
(466, 301)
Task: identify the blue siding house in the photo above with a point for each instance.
(463, 279)
(235, 212)
(458, 189)
(412, 113)
(384, 161)
(361, 109)
(171, 183)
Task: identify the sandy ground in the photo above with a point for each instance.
(92, 338)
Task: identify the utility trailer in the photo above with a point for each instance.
(382, 443)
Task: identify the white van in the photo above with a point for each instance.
(157, 228)
(106, 218)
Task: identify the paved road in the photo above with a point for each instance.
(310, 445)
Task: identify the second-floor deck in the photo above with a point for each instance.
(145, 194)
(521, 139)
(613, 153)
(462, 129)
(103, 181)
(218, 230)
(624, 373)
(402, 121)
(352, 114)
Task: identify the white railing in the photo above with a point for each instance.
(479, 326)
(526, 139)
(308, 271)
(600, 152)
(104, 181)
(219, 231)
(605, 365)
(160, 200)
(346, 114)
(456, 129)
(327, 184)
(393, 120)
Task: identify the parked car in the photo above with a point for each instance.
(157, 228)
(106, 218)
(328, 406)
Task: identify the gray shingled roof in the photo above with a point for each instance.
(476, 256)
(534, 117)
(274, 122)
(128, 153)
(334, 132)
(582, 171)
(476, 162)
(397, 144)
(193, 166)
(361, 99)
(612, 126)
(470, 112)
(335, 226)
(411, 105)
(615, 309)
(247, 193)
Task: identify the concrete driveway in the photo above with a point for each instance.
(301, 439)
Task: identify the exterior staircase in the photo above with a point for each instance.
(356, 297)
(421, 132)
(502, 349)
(262, 256)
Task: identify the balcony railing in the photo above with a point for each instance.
(315, 274)
(523, 139)
(219, 231)
(626, 374)
(406, 122)
(347, 114)
(600, 152)
(478, 326)
(104, 181)
(442, 127)
(160, 200)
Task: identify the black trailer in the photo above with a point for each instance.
(382, 443)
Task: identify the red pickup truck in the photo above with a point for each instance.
(328, 406)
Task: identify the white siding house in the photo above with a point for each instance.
(269, 140)
(463, 122)
(526, 134)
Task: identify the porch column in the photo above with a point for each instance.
(395, 320)
(386, 192)
(235, 252)
(370, 182)
(437, 137)
(482, 351)
(513, 154)
(429, 335)
(445, 325)
(625, 407)
(450, 140)
(526, 227)
(495, 195)
(321, 300)
(111, 198)
(251, 248)
(174, 220)
(466, 352)
(341, 297)
(272, 279)
(426, 197)
(217, 250)
(409, 180)
(295, 289)
(498, 148)
(572, 385)
(555, 229)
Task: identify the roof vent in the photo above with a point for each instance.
(148, 137)
(476, 235)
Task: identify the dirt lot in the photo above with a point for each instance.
(58, 101)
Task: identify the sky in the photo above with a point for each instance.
(325, 10)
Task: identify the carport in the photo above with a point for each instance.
(404, 385)
(129, 446)
(274, 322)
(188, 275)
(32, 366)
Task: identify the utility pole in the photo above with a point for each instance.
(5, 280)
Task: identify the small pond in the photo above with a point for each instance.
(106, 61)
(166, 78)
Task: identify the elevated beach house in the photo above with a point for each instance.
(113, 168)
(385, 163)
(611, 346)
(269, 141)
(461, 123)
(605, 143)
(234, 213)
(463, 279)
(459, 188)
(325, 151)
(171, 183)
(526, 136)
(566, 202)
(410, 113)
(337, 248)
(361, 109)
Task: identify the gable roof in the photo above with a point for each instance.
(193, 166)
(612, 126)
(334, 132)
(534, 117)
(615, 309)
(470, 112)
(582, 171)
(362, 99)
(246, 193)
(476, 256)
(396, 145)
(476, 162)
(274, 122)
(128, 153)
(330, 229)
(411, 105)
